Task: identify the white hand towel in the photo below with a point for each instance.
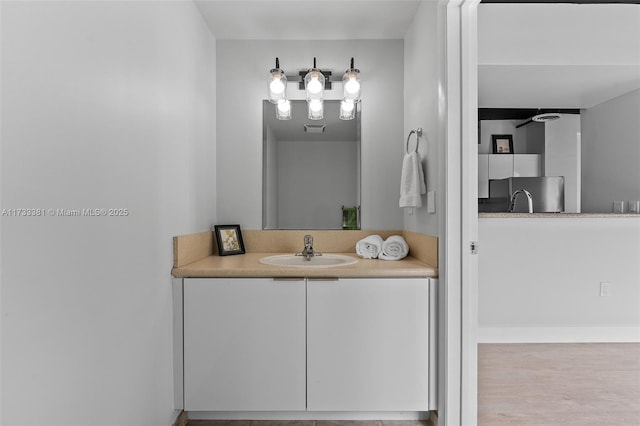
(394, 248)
(412, 183)
(369, 247)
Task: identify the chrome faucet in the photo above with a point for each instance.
(514, 197)
(308, 251)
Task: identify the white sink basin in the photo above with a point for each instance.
(324, 261)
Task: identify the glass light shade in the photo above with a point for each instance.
(347, 110)
(283, 110)
(277, 86)
(314, 85)
(315, 109)
(351, 85)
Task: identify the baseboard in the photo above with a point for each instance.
(558, 334)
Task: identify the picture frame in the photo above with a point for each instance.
(229, 239)
(502, 144)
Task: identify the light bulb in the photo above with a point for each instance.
(283, 110)
(276, 86)
(316, 110)
(347, 110)
(347, 106)
(315, 105)
(314, 85)
(352, 86)
(284, 106)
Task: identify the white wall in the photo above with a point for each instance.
(242, 73)
(104, 105)
(562, 157)
(539, 279)
(611, 153)
(421, 109)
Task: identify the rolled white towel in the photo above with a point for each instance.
(369, 247)
(394, 248)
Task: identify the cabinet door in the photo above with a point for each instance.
(244, 344)
(483, 175)
(526, 165)
(367, 345)
(500, 166)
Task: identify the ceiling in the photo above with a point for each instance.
(299, 20)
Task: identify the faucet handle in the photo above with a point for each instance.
(308, 241)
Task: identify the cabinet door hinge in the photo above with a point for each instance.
(474, 247)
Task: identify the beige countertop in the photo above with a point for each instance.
(502, 215)
(249, 265)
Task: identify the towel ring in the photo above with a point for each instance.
(418, 133)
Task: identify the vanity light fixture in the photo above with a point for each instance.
(277, 84)
(283, 109)
(314, 82)
(351, 83)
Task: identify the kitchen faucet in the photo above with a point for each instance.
(514, 197)
(308, 251)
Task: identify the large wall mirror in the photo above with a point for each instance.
(311, 169)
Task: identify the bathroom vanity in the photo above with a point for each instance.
(263, 341)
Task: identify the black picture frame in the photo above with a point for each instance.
(229, 239)
(502, 144)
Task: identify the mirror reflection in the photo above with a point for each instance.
(311, 169)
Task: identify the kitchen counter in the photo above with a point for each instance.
(502, 215)
(249, 265)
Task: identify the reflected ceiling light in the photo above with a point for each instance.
(351, 83)
(283, 109)
(347, 110)
(314, 84)
(277, 84)
(315, 109)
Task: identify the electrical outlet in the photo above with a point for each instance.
(605, 289)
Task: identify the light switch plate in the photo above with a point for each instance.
(431, 202)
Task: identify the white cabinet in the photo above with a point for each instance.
(357, 345)
(368, 345)
(244, 344)
(500, 166)
(526, 165)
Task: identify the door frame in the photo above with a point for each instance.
(459, 221)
